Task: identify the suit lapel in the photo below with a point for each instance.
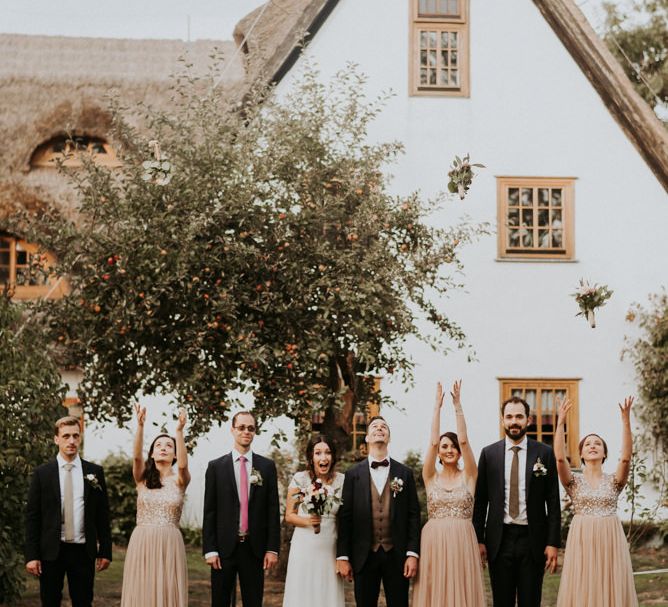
(392, 473)
(365, 485)
(85, 469)
(254, 464)
(54, 476)
(228, 475)
(500, 461)
(531, 457)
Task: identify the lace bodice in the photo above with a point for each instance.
(162, 506)
(454, 503)
(302, 480)
(601, 501)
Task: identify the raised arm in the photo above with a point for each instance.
(563, 467)
(622, 473)
(181, 451)
(429, 464)
(470, 466)
(138, 450)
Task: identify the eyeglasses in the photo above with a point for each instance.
(243, 428)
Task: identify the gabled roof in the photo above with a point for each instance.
(277, 34)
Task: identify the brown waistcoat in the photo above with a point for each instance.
(380, 516)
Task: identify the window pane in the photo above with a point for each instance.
(423, 39)
(453, 39)
(423, 77)
(453, 58)
(513, 238)
(21, 258)
(544, 239)
(543, 217)
(556, 197)
(527, 197)
(543, 197)
(432, 77)
(444, 77)
(527, 238)
(423, 58)
(513, 196)
(527, 217)
(513, 217)
(432, 39)
(558, 239)
(454, 77)
(556, 219)
(445, 37)
(444, 57)
(431, 59)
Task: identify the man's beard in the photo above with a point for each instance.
(519, 435)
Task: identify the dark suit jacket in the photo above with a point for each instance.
(355, 519)
(220, 528)
(44, 518)
(542, 499)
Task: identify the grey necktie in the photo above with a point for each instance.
(514, 499)
(68, 504)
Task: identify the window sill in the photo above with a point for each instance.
(533, 260)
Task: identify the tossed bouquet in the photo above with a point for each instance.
(319, 499)
(589, 298)
(461, 175)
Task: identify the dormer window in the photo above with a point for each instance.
(69, 150)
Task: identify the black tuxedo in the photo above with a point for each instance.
(43, 532)
(355, 531)
(510, 576)
(220, 529)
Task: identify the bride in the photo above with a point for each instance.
(312, 561)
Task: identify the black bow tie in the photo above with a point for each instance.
(383, 463)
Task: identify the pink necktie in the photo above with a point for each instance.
(243, 495)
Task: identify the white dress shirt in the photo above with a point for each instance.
(521, 477)
(78, 495)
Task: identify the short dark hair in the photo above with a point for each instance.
(315, 440)
(515, 400)
(238, 413)
(582, 442)
(373, 419)
(453, 437)
(68, 420)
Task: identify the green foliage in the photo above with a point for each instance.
(641, 516)
(122, 497)
(649, 353)
(639, 40)
(31, 394)
(267, 258)
(413, 460)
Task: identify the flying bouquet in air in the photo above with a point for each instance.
(589, 298)
(158, 170)
(461, 175)
(319, 499)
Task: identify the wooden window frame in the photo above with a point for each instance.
(571, 386)
(45, 157)
(24, 292)
(458, 24)
(567, 184)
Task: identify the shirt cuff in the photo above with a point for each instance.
(415, 554)
(210, 554)
(272, 552)
(341, 558)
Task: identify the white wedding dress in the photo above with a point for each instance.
(311, 576)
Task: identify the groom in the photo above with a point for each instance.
(379, 524)
(67, 521)
(516, 513)
(241, 528)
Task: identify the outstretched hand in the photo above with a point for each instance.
(626, 407)
(563, 407)
(439, 396)
(182, 419)
(456, 393)
(140, 412)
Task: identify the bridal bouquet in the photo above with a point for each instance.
(461, 175)
(589, 298)
(319, 499)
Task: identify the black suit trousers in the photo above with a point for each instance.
(387, 567)
(74, 561)
(251, 578)
(514, 573)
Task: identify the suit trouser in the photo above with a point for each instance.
(73, 560)
(514, 573)
(251, 578)
(387, 567)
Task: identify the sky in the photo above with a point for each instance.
(209, 19)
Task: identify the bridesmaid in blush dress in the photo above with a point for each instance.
(450, 571)
(597, 568)
(155, 572)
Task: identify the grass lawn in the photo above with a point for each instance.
(652, 589)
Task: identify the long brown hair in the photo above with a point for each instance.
(151, 474)
(319, 438)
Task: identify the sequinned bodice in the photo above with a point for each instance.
(601, 501)
(162, 506)
(455, 503)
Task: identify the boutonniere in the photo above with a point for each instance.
(94, 483)
(396, 485)
(539, 468)
(255, 477)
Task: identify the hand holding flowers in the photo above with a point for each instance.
(318, 499)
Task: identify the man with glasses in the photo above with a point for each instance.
(241, 527)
